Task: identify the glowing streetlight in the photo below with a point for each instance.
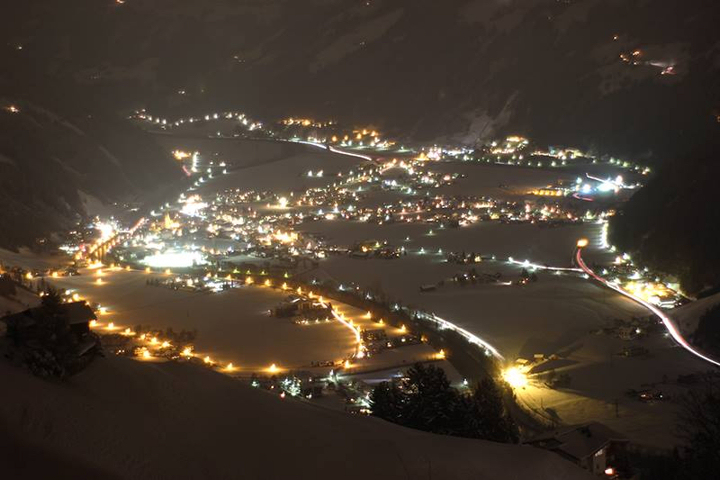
(515, 377)
(582, 243)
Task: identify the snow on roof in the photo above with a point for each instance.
(76, 312)
(579, 441)
(172, 420)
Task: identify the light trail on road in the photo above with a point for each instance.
(470, 337)
(667, 321)
(537, 266)
(334, 150)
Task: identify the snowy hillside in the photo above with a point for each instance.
(171, 421)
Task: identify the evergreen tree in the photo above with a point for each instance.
(426, 401)
(431, 401)
(495, 423)
(387, 402)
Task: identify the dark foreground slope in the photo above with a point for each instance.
(172, 421)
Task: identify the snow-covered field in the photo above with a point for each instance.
(497, 181)
(552, 246)
(29, 260)
(233, 326)
(540, 317)
(284, 175)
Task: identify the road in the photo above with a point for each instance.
(667, 321)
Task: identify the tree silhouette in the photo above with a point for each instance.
(425, 400)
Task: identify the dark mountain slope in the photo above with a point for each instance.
(673, 223)
(46, 159)
(427, 69)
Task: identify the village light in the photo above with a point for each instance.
(582, 243)
(515, 377)
(273, 368)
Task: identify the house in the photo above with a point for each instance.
(24, 326)
(592, 446)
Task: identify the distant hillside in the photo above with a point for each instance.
(47, 159)
(673, 224)
(126, 419)
(635, 78)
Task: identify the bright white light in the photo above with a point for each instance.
(106, 230)
(515, 377)
(174, 260)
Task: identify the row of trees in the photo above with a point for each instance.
(425, 400)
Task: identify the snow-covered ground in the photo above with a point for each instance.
(233, 326)
(497, 181)
(284, 175)
(125, 419)
(22, 300)
(552, 246)
(31, 261)
(539, 317)
(554, 316)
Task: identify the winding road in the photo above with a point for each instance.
(667, 321)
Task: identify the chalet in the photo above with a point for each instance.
(25, 326)
(592, 446)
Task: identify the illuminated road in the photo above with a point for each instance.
(334, 150)
(671, 327)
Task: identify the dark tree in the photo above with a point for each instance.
(707, 334)
(426, 401)
(430, 400)
(387, 401)
(488, 412)
(700, 426)
(51, 299)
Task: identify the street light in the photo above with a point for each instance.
(515, 377)
(583, 242)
